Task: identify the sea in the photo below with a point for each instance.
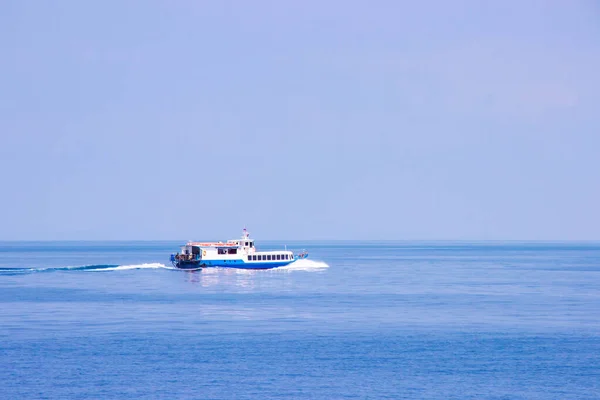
(355, 320)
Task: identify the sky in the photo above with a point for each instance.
(309, 120)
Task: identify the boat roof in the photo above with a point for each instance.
(211, 244)
(230, 243)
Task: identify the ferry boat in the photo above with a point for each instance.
(235, 253)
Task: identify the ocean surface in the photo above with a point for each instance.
(357, 320)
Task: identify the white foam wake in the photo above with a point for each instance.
(136, 266)
(305, 265)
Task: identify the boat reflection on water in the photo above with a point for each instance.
(192, 276)
(227, 277)
(247, 280)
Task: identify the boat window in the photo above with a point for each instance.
(268, 257)
(261, 258)
(232, 251)
(278, 257)
(249, 258)
(253, 258)
(221, 251)
(251, 244)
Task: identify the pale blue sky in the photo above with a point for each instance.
(300, 119)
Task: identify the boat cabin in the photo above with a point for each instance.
(242, 250)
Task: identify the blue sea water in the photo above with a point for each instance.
(357, 320)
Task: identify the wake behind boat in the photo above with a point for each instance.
(235, 253)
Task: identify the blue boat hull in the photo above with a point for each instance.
(241, 264)
(245, 265)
